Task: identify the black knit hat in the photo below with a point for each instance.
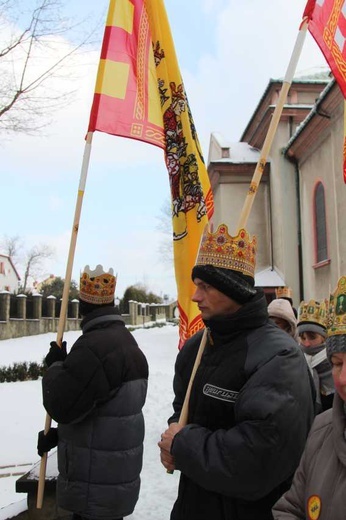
(227, 262)
(233, 284)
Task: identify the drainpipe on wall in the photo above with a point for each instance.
(295, 162)
(299, 230)
(271, 228)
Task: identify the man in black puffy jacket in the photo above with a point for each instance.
(96, 394)
(251, 405)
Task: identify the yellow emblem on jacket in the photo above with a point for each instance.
(314, 507)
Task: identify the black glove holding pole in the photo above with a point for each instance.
(56, 353)
(46, 442)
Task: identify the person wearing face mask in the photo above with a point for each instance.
(312, 323)
(318, 487)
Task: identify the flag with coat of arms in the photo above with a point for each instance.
(140, 94)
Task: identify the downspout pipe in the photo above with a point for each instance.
(295, 162)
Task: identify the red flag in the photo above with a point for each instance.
(140, 94)
(327, 24)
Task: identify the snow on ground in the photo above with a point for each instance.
(22, 416)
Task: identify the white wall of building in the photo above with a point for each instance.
(8, 276)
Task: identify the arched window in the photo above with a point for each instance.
(320, 224)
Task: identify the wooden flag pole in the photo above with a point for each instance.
(65, 294)
(185, 408)
(273, 126)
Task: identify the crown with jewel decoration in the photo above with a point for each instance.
(97, 286)
(313, 311)
(337, 310)
(220, 249)
(283, 292)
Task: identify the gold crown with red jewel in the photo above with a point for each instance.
(337, 309)
(313, 311)
(283, 292)
(221, 250)
(97, 286)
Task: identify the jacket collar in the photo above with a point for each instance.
(100, 316)
(251, 315)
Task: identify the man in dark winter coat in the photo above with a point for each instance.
(96, 394)
(251, 406)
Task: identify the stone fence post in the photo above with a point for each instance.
(4, 306)
(51, 303)
(133, 312)
(21, 306)
(75, 309)
(37, 302)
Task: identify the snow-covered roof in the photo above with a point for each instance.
(222, 142)
(308, 118)
(313, 75)
(269, 278)
(319, 77)
(239, 152)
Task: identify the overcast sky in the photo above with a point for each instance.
(227, 51)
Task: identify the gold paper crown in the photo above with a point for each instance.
(221, 250)
(283, 292)
(337, 310)
(96, 286)
(313, 311)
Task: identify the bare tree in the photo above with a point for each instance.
(25, 260)
(12, 246)
(33, 261)
(34, 52)
(165, 227)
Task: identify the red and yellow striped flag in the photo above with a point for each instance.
(140, 94)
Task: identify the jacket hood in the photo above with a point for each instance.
(281, 308)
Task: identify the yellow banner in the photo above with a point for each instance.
(140, 94)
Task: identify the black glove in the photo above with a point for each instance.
(46, 442)
(56, 353)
